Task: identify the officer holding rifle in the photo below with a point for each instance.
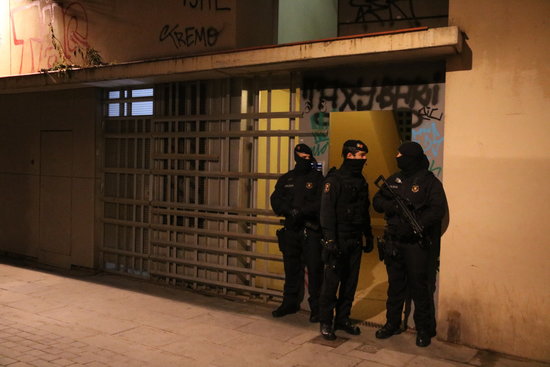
(414, 203)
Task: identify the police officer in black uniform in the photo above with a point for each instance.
(297, 197)
(345, 220)
(412, 264)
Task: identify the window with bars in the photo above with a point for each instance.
(130, 102)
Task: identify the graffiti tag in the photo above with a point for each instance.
(382, 11)
(202, 4)
(429, 138)
(429, 113)
(365, 98)
(190, 36)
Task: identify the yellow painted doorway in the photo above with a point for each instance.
(378, 130)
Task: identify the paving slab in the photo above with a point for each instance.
(316, 355)
(99, 319)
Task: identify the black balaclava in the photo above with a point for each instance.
(412, 158)
(354, 166)
(302, 164)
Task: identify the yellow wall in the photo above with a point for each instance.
(379, 131)
(277, 154)
(494, 282)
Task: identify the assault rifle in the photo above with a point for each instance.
(408, 214)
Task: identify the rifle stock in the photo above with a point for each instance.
(408, 214)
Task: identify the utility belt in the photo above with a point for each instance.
(388, 245)
(310, 225)
(297, 234)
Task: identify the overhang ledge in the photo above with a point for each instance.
(407, 45)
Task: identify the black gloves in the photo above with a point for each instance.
(331, 246)
(369, 243)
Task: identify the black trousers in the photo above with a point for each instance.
(336, 303)
(301, 249)
(411, 273)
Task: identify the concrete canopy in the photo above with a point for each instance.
(407, 45)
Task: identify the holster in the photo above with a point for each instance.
(330, 253)
(281, 238)
(381, 245)
(389, 248)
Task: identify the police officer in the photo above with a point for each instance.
(344, 220)
(411, 264)
(297, 197)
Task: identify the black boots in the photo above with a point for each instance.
(348, 327)
(387, 330)
(327, 331)
(423, 339)
(284, 310)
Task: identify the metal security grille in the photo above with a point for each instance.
(186, 190)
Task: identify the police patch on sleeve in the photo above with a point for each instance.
(415, 188)
(327, 187)
(309, 185)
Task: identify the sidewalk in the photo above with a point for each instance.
(70, 319)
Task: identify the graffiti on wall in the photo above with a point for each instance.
(212, 5)
(431, 140)
(357, 16)
(423, 101)
(189, 36)
(33, 44)
(384, 11)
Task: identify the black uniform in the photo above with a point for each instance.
(297, 197)
(344, 219)
(411, 266)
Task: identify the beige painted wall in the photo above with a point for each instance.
(495, 277)
(127, 30)
(4, 38)
(25, 118)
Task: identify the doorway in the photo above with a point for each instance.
(377, 129)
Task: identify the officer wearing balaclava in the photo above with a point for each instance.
(297, 197)
(411, 264)
(345, 221)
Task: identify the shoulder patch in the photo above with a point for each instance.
(327, 187)
(309, 185)
(415, 188)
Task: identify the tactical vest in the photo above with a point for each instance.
(353, 202)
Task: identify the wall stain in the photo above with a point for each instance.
(453, 331)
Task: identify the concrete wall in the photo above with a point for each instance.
(494, 290)
(302, 20)
(48, 176)
(126, 30)
(4, 38)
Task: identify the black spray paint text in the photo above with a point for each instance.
(208, 4)
(190, 36)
